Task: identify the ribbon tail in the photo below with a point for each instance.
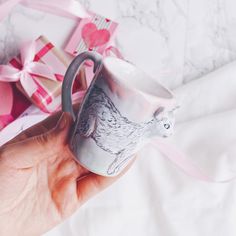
(113, 50)
(6, 7)
(77, 97)
(9, 73)
(179, 159)
(65, 8)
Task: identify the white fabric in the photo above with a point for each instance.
(154, 197)
(157, 198)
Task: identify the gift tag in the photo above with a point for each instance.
(92, 34)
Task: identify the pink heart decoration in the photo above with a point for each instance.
(94, 37)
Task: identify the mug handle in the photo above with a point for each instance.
(70, 76)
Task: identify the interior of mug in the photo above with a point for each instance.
(134, 78)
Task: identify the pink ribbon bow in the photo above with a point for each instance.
(29, 68)
(65, 8)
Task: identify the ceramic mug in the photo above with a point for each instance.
(122, 110)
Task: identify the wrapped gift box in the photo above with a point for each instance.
(47, 92)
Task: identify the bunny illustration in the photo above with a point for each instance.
(116, 134)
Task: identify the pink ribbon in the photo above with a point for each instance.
(113, 50)
(180, 160)
(29, 68)
(109, 51)
(64, 8)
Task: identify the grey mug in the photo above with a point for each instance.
(121, 111)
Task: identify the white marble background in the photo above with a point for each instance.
(175, 41)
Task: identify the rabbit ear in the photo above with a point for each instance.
(158, 111)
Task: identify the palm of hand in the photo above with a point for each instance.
(40, 182)
(47, 190)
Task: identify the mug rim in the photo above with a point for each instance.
(156, 86)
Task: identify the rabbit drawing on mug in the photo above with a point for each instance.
(114, 133)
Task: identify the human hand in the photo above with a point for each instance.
(40, 182)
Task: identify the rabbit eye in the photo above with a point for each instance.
(167, 126)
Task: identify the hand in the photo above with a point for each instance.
(40, 182)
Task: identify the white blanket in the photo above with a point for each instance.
(157, 198)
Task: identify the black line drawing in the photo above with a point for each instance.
(114, 133)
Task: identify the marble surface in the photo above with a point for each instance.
(175, 41)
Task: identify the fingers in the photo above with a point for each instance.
(90, 185)
(62, 130)
(55, 139)
(38, 129)
(31, 151)
(41, 127)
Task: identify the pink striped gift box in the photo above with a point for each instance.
(47, 96)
